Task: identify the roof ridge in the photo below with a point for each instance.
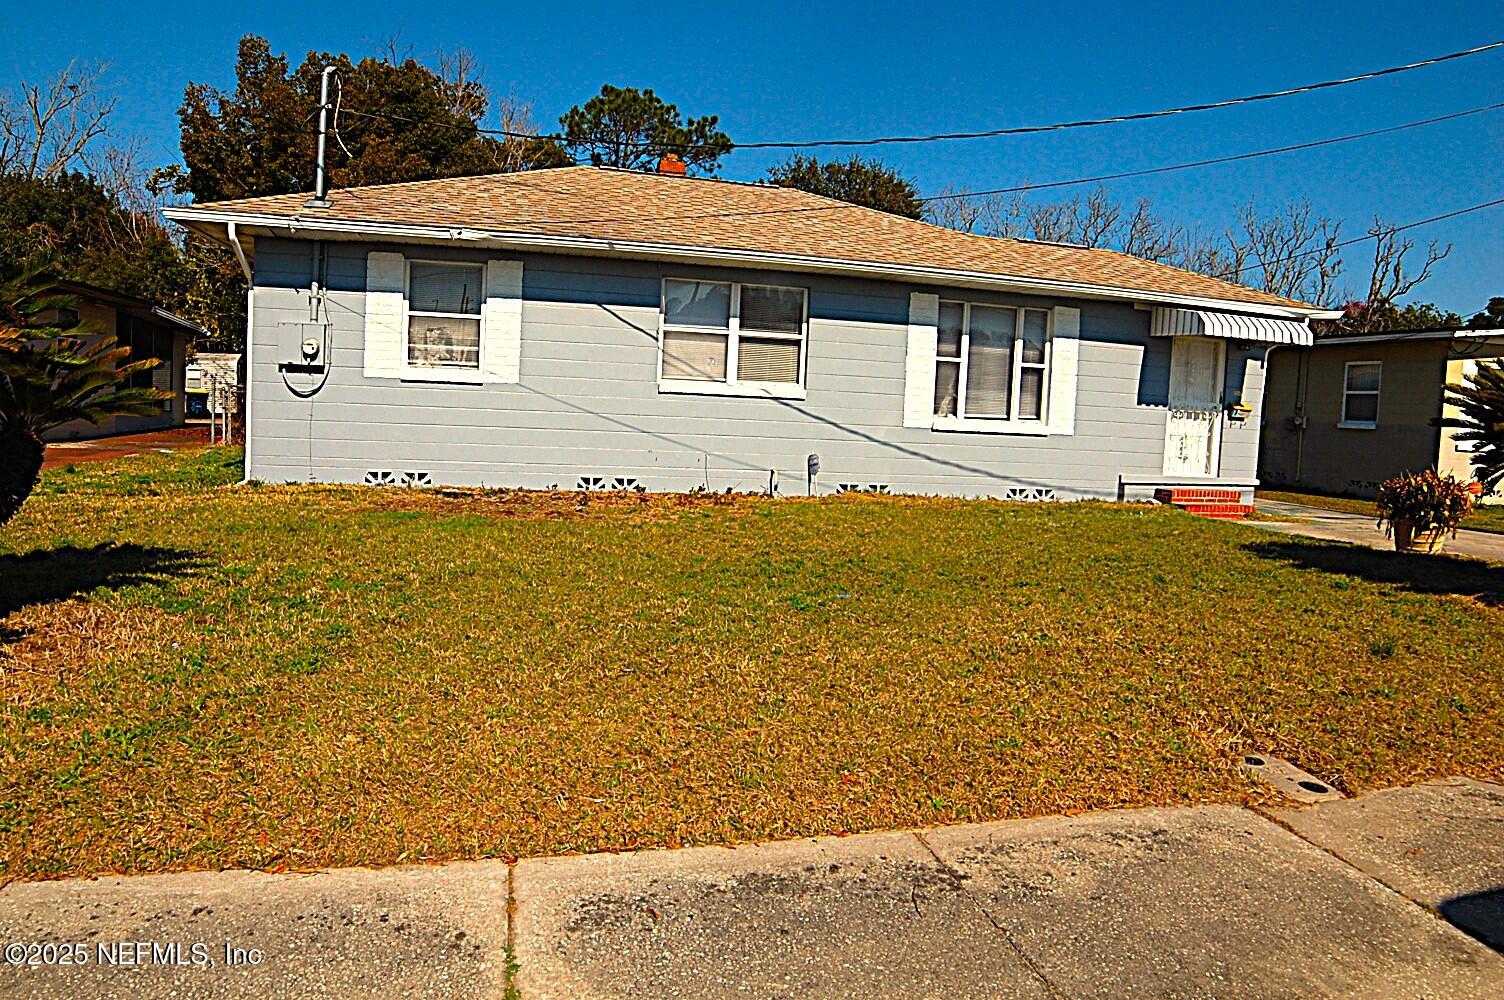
(761, 185)
(493, 175)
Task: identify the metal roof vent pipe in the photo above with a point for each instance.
(672, 164)
(320, 197)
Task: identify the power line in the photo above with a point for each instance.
(1220, 159)
(1046, 185)
(1373, 235)
(988, 133)
(1140, 116)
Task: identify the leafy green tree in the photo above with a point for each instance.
(633, 129)
(869, 183)
(1361, 317)
(1481, 400)
(1490, 316)
(73, 225)
(53, 371)
(398, 121)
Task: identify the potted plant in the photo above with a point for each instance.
(1419, 509)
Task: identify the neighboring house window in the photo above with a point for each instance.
(733, 333)
(1360, 394)
(443, 314)
(146, 340)
(991, 362)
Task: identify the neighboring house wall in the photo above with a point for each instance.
(588, 402)
(1326, 457)
(1456, 457)
(170, 375)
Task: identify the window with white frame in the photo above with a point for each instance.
(733, 333)
(991, 362)
(443, 314)
(1360, 394)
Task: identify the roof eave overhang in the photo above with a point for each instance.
(212, 223)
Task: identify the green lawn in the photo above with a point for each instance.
(1484, 518)
(200, 675)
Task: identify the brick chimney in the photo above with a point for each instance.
(672, 165)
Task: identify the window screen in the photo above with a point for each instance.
(762, 360)
(697, 356)
(443, 341)
(772, 310)
(708, 323)
(1360, 396)
(989, 361)
(445, 288)
(952, 319)
(697, 303)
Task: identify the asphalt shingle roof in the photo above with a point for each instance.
(606, 204)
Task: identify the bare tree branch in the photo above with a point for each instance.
(49, 127)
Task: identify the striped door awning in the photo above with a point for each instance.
(1170, 322)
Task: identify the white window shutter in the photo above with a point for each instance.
(386, 306)
(919, 366)
(501, 322)
(1065, 350)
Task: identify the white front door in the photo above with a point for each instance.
(1193, 434)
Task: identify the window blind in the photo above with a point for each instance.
(759, 360)
(698, 356)
(445, 288)
(989, 362)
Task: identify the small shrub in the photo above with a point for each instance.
(1425, 500)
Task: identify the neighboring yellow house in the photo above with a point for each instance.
(1348, 412)
(150, 332)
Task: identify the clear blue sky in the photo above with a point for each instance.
(774, 71)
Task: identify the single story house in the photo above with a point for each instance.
(598, 328)
(1348, 412)
(150, 332)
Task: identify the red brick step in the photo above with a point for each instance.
(1225, 511)
(1197, 494)
(1206, 501)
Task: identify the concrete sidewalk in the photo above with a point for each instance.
(1360, 529)
(1395, 894)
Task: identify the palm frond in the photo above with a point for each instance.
(1480, 401)
(54, 369)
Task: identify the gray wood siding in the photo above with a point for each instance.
(588, 402)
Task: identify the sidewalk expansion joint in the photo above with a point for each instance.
(1259, 812)
(960, 883)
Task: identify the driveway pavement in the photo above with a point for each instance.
(1338, 526)
(1390, 895)
(61, 453)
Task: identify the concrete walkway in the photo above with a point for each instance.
(1338, 526)
(1396, 894)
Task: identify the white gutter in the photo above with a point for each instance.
(180, 321)
(342, 229)
(233, 235)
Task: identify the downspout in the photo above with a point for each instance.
(232, 233)
(1302, 386)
